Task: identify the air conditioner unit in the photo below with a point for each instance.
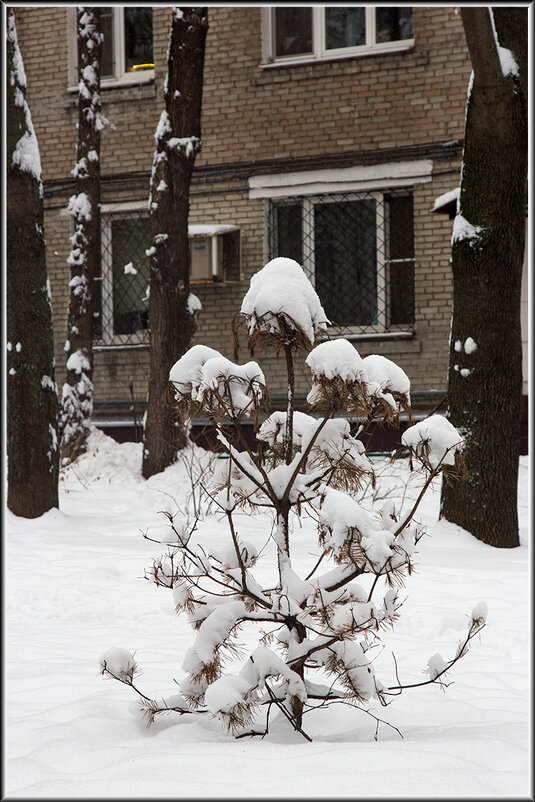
(215, 253)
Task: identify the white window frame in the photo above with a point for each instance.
(120, 77)
(319, 51)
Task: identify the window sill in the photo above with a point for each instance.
(380, 50)
(118, 346)
(122, 90)
(373, 335)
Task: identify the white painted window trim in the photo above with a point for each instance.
(388, 175)
(319, 51)
(120, 77)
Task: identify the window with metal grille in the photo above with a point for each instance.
(123, 297)
(358, 251)
(122, 290)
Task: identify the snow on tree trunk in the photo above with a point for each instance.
(485, 365)
(32, 399)
(85, 256)
(316, 625)
(171, 316)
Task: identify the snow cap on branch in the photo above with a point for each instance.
(433, 441)
(120, 663)
(206, 381)
(387, 382)
(282, 304)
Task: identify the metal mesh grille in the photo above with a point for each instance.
(358, 251)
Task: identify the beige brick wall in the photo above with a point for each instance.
(252, 114)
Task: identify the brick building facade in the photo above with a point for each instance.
(331, 132)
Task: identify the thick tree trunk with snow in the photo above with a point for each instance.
(85, 255)
(32, 401)
(485, 376)
(177, 143)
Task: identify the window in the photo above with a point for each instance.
(127, 49)
(123, 288)
(123, 300)
(358, 251)
(304, 33)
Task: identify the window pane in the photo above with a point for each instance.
(106, 26)
(130, 271)
(229, 253)
(293, 31)
(345, 27)
(345, 261)
(400, 249)
(289, 237)
(393, 24)
(138, 39)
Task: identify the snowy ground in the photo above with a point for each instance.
(74, 588)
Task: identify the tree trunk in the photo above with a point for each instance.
(177, 142)
(485, 384)
(85, 255)
(32, 400)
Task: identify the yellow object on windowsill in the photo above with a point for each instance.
(137, 67)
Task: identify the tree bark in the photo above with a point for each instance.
(485, 385)
(32, 400)
(178, 140)
(85, 255)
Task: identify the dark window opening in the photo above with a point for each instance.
(130, 273)
(345, 27)
(293, 31)
(393, 24)
(138, 51)
(346, 262)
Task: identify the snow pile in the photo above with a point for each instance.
(118, 662)
(185, 375)
(26, 153)
(446, 198)
(434, 441)
(470, 345)
(273, 429)
(349, 529)
(203, 371)
(385, 379)
(281, 299)
(508, 62)
(194, 304)
(463, 230)
(365, 381)
(336, 358)
(240, 385)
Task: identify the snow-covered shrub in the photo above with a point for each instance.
(317, 630)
